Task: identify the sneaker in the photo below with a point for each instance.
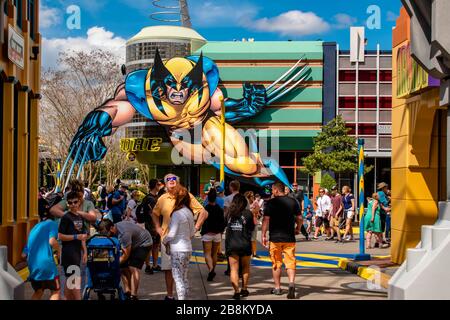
(236, 296)
(157, 268)
(211, 276)
(291, 293)
(167, 298)
(276, 291)
(148, 270)
(134, 298)
(244, 293)
(315, 238)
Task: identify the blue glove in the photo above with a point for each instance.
(253, 101)
(96, 125)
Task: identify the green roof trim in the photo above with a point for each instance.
(262, 73)
(301, 94)
(273, 115)
(262, 50)
(290, 139)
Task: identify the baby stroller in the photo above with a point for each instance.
(103, 271)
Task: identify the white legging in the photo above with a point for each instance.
(180, 269)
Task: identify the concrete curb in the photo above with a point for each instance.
(364, 272)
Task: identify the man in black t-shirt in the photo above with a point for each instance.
(148, 204)
(73, 234)
(283, 220)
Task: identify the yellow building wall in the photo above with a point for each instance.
(418, 146)
(19, 178)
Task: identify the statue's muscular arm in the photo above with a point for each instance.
(119, 108)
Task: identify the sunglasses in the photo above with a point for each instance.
(72, 202)
(171, 179)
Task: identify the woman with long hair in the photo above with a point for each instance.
(254, 208)
(178, 240)
(238, 248)
(211, 232)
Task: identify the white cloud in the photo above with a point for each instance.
(96, 38)
(391, 16)
(48, 17)
(293, 23)
(344, 21)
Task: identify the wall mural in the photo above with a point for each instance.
(182, 95)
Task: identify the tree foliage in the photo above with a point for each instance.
(334, 150)
(82, 82)
(327, 182)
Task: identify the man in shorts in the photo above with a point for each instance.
(322, 212)
(283, 220)
(337, 209)
(42, 241)
(136, 243)
(164, 208)
(72, 232)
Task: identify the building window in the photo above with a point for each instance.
(18, 4)
(287, 158)
(32, 17)
(347, 102)
(368, 75)
(385, 75)
(367, 102)
(347, 75)
(367, 129)
(386, 102)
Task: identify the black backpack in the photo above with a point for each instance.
(237, 240)
(144, 210)
(103, 193)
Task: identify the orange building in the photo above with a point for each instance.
(418, 145)
(19, 94)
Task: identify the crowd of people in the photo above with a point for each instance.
(157, 231)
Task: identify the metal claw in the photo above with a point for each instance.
(286, 91)
(285, 74)
(61, 174)
(73, 165)
(83, 161)
(286, 83)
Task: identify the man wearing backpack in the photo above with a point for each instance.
(144, 216)
(101, 195)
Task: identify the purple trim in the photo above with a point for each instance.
(433, 82)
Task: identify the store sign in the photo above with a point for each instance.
(16, 47)
(131, 145)
(411, 77)
(384, 129)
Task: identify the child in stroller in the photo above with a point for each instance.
(103, 271)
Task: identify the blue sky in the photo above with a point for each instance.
(111, 22)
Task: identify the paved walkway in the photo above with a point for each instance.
(318, 276)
